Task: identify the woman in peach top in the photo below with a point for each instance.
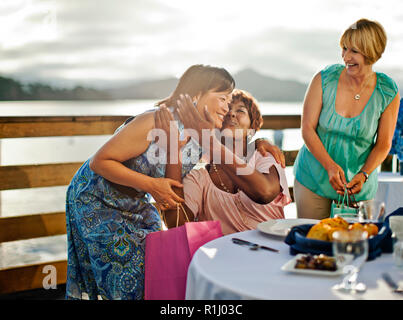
(239, 201)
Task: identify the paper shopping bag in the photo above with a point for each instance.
(168, 254)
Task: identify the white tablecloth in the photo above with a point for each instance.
(223, 270)
(390, 190)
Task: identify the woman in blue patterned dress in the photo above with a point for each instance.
(108, 209)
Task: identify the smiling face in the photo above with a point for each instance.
(354, 61)
(366, 37)
(237, 118)
(217, 105)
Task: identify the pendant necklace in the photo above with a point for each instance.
(221, 182)
(358, 95)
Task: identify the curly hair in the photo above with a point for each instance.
(256, 119)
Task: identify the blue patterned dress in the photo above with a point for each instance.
(106, 229)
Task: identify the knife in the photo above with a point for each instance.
(252, 245)
(391, 283)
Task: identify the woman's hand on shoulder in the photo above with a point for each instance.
(264, 147)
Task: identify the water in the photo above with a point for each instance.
(42, 150)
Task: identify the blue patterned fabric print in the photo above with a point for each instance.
(397, 142)
(106, 229)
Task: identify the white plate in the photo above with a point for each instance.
(281, 227)
(290, 267)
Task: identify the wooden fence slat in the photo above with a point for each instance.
(279, 122)
(32, 226)
(30, 277)
(290, 157)
(34, 176)
(21, 127)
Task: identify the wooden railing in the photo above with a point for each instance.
(20, 227)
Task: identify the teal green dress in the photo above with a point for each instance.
(348, 141)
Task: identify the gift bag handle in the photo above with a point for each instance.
(347, 198)
(353, 202)
(178, 207)
(344, 200)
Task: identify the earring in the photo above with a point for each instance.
(250, 134)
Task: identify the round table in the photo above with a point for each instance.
(222, 270)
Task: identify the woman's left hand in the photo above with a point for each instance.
(164, 120)
(356, 184)
(191, 118)
(263, 146)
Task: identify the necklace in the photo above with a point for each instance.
(221, 182)
(237, 202)
(358, 95)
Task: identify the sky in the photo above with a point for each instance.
(105, 43)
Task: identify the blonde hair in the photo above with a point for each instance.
(366, 36)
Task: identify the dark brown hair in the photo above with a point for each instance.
(199, 79)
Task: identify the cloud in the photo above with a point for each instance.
(100, 41)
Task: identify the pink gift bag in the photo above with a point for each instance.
(168, 254)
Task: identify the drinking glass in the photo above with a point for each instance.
(396, 224)
(371, 211)
(350, 249)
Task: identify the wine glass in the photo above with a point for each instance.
(350, 248)
(371, 211)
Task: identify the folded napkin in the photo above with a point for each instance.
(397, 212)
(299, 243)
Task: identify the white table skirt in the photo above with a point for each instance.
(390, 190)
(222, 270)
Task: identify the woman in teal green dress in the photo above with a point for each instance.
(348, 121)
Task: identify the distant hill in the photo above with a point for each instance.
(264, 88)
(150, 89)
(14, 90)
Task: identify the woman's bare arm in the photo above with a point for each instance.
(131, 141)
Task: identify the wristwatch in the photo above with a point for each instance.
(365, 175)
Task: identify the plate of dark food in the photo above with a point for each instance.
(310, 264)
